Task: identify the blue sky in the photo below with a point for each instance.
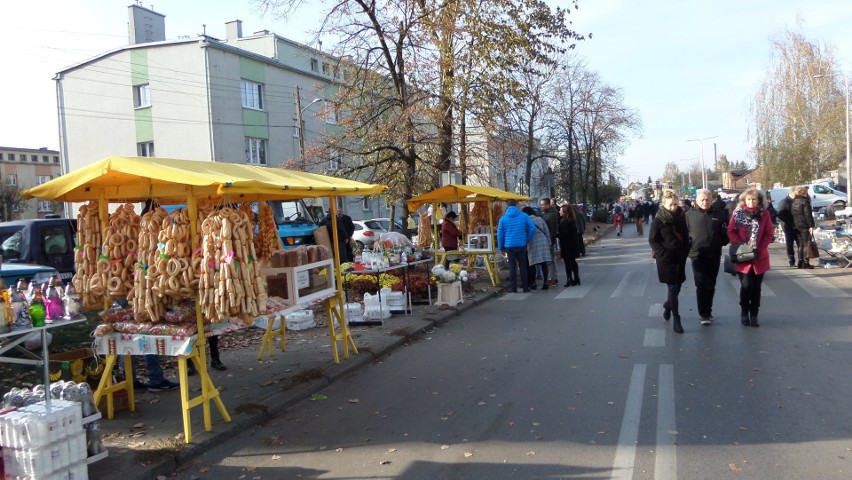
(689, 67)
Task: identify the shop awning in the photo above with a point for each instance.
(462, 194)
(134, 179)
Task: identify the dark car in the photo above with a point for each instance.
(48, 242)
(12, 272)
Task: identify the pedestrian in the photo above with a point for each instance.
(707, 236)
(639, 213)
(342, 250)
(569, 244)
(731, 206)
(514, 231)
(719, 205)
(550, 215)
(669, 240)
(791, 236)
(751, 223)
(450, 235)
(803, 220)
(539, 250)
(618, 219)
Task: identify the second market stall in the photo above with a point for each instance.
(214, 186)
(466, 194)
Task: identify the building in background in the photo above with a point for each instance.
(237, 100)
(24, 168)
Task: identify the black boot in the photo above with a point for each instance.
(744, 319)
(753, 319)
(667, 312)
(678, 328)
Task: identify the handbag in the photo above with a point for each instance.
(741, 252)
(812, 248)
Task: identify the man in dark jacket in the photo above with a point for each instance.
(791, 237)
(551, 218)
(707, 236)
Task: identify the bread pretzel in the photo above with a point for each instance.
(174, 284)
(116, 239)
(172, 267)
(114, 285)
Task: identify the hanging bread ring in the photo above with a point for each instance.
(152, 270)
(116, 239)
(130, 246)
(174, 284)
(103, 266)
(172, 267)
(184, 250)
(115, 269)
(114, 285)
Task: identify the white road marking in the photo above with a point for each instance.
(655, 337)
(665, 465)
(655, 310)
(516, 296)
(580, 291)
(819, 288)
(632, 285)
(765, 290)
(625, 454)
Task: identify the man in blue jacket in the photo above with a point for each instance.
(514, 230)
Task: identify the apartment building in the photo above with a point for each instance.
(235, 100)
(25, 168)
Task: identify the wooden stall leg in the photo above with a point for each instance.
(129, 380)
(345, 337)
(208, 392)
(105, 385)
(269, 337)
(491, 264)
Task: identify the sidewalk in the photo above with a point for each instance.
(149, 442)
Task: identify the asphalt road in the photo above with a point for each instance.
(586, 382)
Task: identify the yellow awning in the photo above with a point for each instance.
(133, 179)
(462, 194)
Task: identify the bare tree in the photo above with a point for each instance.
(794, 131)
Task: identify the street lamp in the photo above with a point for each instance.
(848, 169)
(299, 112)
(703, 171)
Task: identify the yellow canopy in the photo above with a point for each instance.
(462, 194)
(133, 179)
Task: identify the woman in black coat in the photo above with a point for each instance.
(669, 239)
(803, 220)
(569, 244)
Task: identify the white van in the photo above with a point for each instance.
(824, 199)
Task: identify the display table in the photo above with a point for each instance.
(489, 257)
(270, 332)
(14, 339)
(406, 295)
(185, 347)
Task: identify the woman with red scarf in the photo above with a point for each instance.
(751, 223)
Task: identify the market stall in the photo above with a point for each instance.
(479, 244)
(218, 271)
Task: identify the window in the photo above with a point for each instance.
(42, 179)
(56, 159)
(11, 179)
(45, 206)
(1, 156)
(11, 157)
(365, 204)
(255, 151)
(45, 159)
(326, 69)
(145, 149)
(142, 96)
(334, 162)
(331, 116)
(314, 65)
(34, 158)
(252, 94)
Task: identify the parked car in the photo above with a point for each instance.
(385, 223)
(366, 232)
(12, 272)
(48, 242)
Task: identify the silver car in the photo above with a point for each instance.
(366, 232)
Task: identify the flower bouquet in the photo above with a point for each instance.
(454, 274)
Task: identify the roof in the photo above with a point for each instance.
(131, 179)
(462, 194)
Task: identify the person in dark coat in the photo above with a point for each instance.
(569, 244)
(342, 237)
(785, 215)
(669, 239)
(707, 236)
(639, 214)
(450, 235)
(550, 215)
(581, 228)
(803, 219)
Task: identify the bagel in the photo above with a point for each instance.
(114, 285)
(130, 245)
(115, 268)
(184, 250)
(103, 266)
(174, 284)
(172, 267)
(116, 239)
